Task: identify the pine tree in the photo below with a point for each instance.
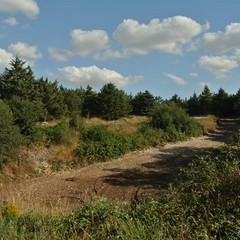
(18, 81)
(114, 103)
(143, 104)
(205, 100)
(10, 138)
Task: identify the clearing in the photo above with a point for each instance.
(119, 180)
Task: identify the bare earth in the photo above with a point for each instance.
(149, 170)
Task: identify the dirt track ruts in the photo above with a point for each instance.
(119, 179)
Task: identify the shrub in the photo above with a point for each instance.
(76, 122)
(170, 118)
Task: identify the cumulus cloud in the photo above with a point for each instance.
(221, 42)
(176, 79)
(236, 54)
(94, 76)
(25, 50)
(5, 58)
(219, 66)
(26, 7)
(61, 55)
(11, 21)
(109, 53)
(167, 35)
(85, 42)
(193, 74)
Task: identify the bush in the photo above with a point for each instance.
(76, 122)
(170, 118)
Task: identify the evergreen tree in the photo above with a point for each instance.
(221, 104)
(90, 107)
(73, 99)
(143, 104)
(114, 103)
(177, 100)
(25, 113)
(236, 104)
(193, 105)
(52, 98)
(18, 81)
(10, 138)
(205, 100)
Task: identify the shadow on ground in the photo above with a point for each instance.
(158, 173)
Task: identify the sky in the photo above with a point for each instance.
(167, 47)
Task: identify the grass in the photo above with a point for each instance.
(209, 123)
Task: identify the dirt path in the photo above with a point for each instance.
(119, 179)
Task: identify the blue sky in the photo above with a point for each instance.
(165, 46)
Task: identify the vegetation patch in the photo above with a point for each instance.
(202, 203)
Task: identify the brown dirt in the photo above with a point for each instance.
(149, 170)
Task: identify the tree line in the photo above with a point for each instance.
(32, 100)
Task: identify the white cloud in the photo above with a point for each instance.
(221, 42)
(11, 21)
(25, 50)
(5, 58)
(26, 7)
(109, 54)
(94, 76)
(167, 35)
(176, 79)
(59, 54)
(193, 74)
(236, 54)
(219, 66)
(85, 42)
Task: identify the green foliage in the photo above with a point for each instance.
(18, 81)
(143, 104)
(73, 99)
(205, 99)
(203, 204)
(76, 122)
(99, 144)
(175, 121)
(10, 138)
(26, 113)
(58, 134)
(52, 98)
(114, 103)
(90, 103)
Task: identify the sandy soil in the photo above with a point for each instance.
(149, 170)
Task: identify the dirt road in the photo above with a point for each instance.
(119, 179)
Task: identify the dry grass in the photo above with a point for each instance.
(62, 156)
(127, 124)
(209, 123)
